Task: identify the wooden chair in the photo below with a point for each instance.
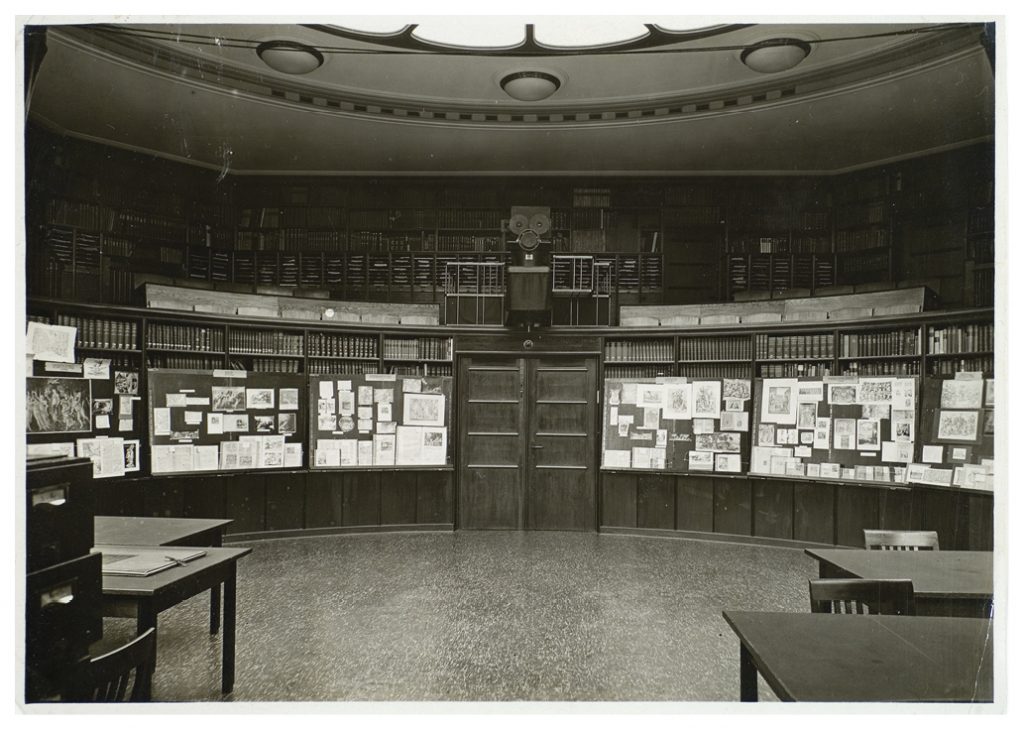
(862, 597)
(106, 678)
(900, 540)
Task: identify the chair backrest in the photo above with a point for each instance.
(862, 597)
(900, 540)
(106, 678)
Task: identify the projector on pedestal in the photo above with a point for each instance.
(528, 288)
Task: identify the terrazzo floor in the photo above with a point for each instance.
(480, 616)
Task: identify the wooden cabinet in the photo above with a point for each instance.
(63, 586)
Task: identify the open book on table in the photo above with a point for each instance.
(129, 561)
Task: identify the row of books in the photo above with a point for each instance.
(166, 360)
(795, 346)
(715, 348)
(638, 350)
(856, 216)
(341, 345)
(961, 338)
(847, 241)
(591, 197)
(779, 245)
(638, 370)
(183, 336)
(270, 364)
(872, 369)
(881, 344)
(253, 341)
(291, 217)
(471, 218)
(732, 370)
(102, 333)
(693, 216)
(967, 364)
(794, 369)
(418, 348)
(427, 369)
(341, 367)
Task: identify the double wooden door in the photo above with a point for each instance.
(527, 458)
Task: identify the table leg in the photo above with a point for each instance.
(228, 680)
(215, 610)
(145, 617)
(748, 676)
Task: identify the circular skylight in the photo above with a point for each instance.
(499, 32)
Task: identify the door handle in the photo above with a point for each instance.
(536, 446)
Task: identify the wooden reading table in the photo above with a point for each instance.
(950, 583)
(165, 532)
(144, 598)
(877, 658)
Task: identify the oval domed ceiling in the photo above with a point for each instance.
(662, 98)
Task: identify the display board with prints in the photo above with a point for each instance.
(850, 428)
(957, 432)
(83, 403)
(676, 424)
(379, 421)
(225, 420)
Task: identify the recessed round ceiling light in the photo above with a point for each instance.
(530, 85)
(290, 57)
(777, 54)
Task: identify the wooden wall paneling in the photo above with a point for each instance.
(856, 510)
(773, 509)
(203, 497)
(732, 506)
(695, 503)
(286, 499)
(814, 512)
(398, 498)
(119, 498)
(618, 499)
(978, 511)
(246, 502)
(324, 492)
(164, 497)
(937, 511)
(656, 502)
(361, 499)
(896, 509)
(435, 497)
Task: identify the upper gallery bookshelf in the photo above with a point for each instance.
(99, 218)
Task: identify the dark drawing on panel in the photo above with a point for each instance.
(58, 405)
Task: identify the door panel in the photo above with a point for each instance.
(494, 418)
(489, 498)
(494, 450)
(491, 453)
(563, 418)
(502, 382)
(527, 440)
(561, 476)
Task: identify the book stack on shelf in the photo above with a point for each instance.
(182, 346)
(285, 350)
(961, 348)
(894, 352)
(96, 333)
(418, 348)
(808, 354)
(725, 356)
(638, 357)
